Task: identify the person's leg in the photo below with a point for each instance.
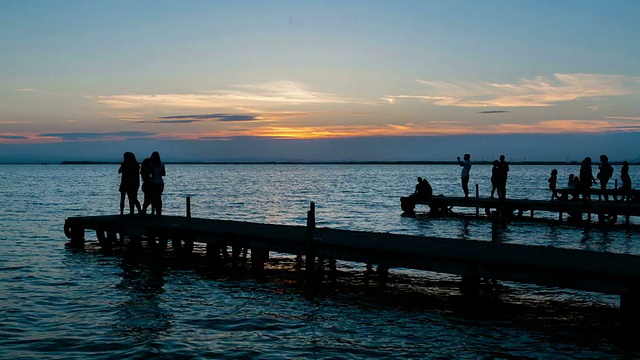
(131, 202)
(159, 199)
(503, 189)
(136, 202)
(465, 186)
(122, 195)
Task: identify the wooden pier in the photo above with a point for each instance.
(604, 211)
(591, 271)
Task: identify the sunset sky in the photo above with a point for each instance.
(319, 80)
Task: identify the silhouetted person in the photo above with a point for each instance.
(553, 181)
(503, 171)
(157, 182)
(147, 190)
(626, 181)
(129, 182)
(494, 177)
(604, 174)
(424, 189)
(415, 192)
(574, 181)
(586, 178)
(464, 175)
(574, 184)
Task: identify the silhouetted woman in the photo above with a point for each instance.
(129, 182)
(145, 172)
(157, 183)
(586, 178)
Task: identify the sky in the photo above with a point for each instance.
(319, 80)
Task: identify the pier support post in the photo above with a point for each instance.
(311, 252)
(188, 206)
(470, 285)
(213, 255)
(495, 234)
(383, 274)
(477, 198)
(76, 236)
(630, 306)
(258, 258)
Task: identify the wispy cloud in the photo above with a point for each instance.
(26, 90)
(185, 119)
(239, 96)
(83, 136)
(13, 137)
(426, 128)
(493, 112)
(540, 91)
(632, 118)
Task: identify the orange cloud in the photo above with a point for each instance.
(285, 131)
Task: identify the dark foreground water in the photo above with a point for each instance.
(58, 303)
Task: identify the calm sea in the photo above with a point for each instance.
(58, 303)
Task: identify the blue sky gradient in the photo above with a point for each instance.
(218, 77)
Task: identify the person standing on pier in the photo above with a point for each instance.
(553, 182)
(494, 178)
(145, 172)
(626, 181)
(503, 171)
(129, 182)
(464, 176)
(586, 178)
(157, 183)
(605, 173)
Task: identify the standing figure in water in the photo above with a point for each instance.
(157, 182)
(129, 182)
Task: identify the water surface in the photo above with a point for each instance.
(59, 303)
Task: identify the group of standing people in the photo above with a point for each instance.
(583, 183)
(499, 174)
(152, 172)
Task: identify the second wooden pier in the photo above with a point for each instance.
(605, 211)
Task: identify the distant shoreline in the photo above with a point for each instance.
(482, 162)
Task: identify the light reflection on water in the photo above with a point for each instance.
(67, 304)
